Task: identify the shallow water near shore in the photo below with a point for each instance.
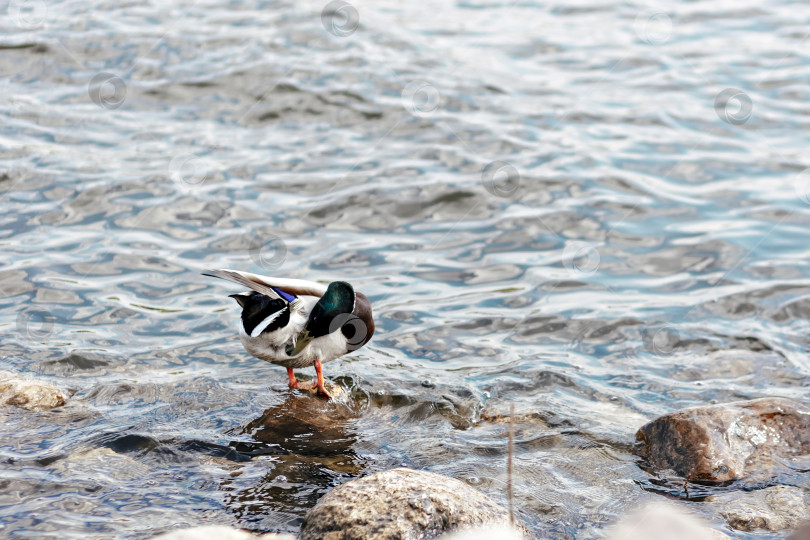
(571, 207)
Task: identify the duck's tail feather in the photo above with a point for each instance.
(237, 277)
(267, 285)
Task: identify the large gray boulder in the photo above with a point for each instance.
(400, 504)
(730, 441)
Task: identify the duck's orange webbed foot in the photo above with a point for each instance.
(319, 387)
(293, 382)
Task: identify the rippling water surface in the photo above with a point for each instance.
(572, 207)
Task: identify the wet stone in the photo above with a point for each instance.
(400, 503)
(311, 442)
(306, 424)
(27, 393)
(727, 442)
(773, 509)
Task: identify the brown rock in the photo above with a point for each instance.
(28, 394)
(399, 504)
(720, 443)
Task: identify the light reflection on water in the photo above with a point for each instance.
(558, 206)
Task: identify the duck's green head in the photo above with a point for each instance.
(338, 298)
(336, 301)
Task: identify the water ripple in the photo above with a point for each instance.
(595, 211)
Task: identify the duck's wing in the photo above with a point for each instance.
(260, 313)
(237, 277)
(270, 285)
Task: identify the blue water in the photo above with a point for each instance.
(571, 207)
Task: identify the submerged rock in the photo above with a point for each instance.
(773, 509)
(95, 463)
(219, 532)
(726, 442)
(26, 393)
(312, 444)
(400, 503)
(663, 521)
(307, 425)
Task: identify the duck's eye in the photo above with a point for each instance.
(349, 331)
(352, 327)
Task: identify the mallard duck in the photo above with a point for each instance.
(297, 323)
